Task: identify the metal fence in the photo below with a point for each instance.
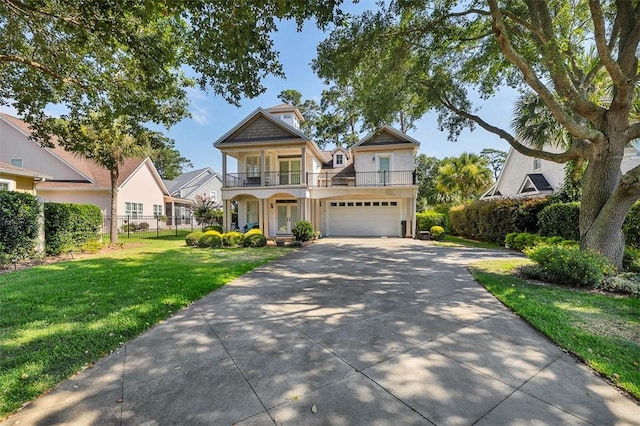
(149, 226)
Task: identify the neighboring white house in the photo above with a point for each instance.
(524, 176)
(73, 179)
(283, 177)
(202, 182)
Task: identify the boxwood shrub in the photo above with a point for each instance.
(210, 239)
(254, 238)
(70, 227)
(560, 220)
(303, 231)
(232, 238)
(212, 228)
(18, 224)
(193, 238)
(437, 233)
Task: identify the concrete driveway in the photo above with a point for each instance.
(343, 332)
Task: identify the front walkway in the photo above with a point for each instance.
(344, 332)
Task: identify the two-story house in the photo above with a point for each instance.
(283, 177)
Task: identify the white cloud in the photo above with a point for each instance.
(198, 106)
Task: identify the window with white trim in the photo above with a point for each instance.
(537, 164)
(213, 196)
(339, 159)
(134, 210)
(253, 166)
(157, 210)
(16, 162)
(4, 186)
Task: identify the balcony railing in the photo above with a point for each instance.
(324, 179)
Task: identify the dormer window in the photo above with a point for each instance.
(339, 159)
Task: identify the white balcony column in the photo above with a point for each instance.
(225, 218)
(262, 162)
(303, 165)
(224, 170)
(261, 215)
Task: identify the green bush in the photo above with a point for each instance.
(631, 260)
(213, 228)
(626, 283)
(68, 227)
(570, 266)
(254, 231)
(525, 240)
(508, 239)
(254, 240)
(437, 233)
(561, 220)
(232, 238)
(210, 239)
(492, 220)
(426, 220)
(135, 227)
(303, 231)
(18, 224)
(193, 238)
(631, 227)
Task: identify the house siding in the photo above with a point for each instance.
(130, 191)
(258, 130)
(20, 183)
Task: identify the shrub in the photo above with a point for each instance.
(303, 231)
(437, 233)
(560, 219)
(210, 239)
(627, 283)
(69, 227)
(525, 240)
(232, 238)
(570, 265)
(426, 220)
(631, 227)
(254, 240)
(213, 228)
(18, 224)
(508, 239)
(492, 220)
(254, 231)
(631, 260)
(193, 238)
(135, 227)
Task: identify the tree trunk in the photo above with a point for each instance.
(604, 206)
(114, 207)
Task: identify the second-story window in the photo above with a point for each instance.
(253, 166)
(537, 164)
(339, 159)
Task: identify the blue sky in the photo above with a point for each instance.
(213, 116)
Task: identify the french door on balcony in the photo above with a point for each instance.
(383, 170)
(290, 171)
(287, 216)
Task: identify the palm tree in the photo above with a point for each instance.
(463, 178)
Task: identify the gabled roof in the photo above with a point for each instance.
(272, 128)
(386, 135)
(19, 171)
(194, 179)
(95, 175)
(284, 108)
(535, 182)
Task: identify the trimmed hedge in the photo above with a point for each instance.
(430, 218)
(560, 220)
(232, 238)
(210, 239)
(212, 228)
(18, 225)
(254, 238)
(68, 226)
(492, 220)
(437, 233)
(193, 238)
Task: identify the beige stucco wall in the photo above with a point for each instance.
(14, 144)
(97, 198)
(141, 187)
(18, 183)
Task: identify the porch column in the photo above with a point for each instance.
(413, 216)
(173, 212)
(224, 170)
(261, 214)
(226, 207)
(303, 166)
(262, 182)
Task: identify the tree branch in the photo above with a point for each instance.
(593, 111)
(604, 53)
(576, 152)
(38, 66)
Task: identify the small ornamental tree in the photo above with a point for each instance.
(204, 210)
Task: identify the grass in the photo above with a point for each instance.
(59, 318)
(450, 240)
(603, 330)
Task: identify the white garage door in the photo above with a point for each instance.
(364, 218)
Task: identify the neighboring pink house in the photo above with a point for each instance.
(74, 179)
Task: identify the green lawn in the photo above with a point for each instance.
(451, 240)
(58, 318)
(603, 330)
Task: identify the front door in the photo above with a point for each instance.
(290, 172)
(287, 217)
(383, 169)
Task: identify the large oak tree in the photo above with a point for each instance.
(578, 57)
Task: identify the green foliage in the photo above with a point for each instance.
(631, 260)
(463, 178)
(135, 227)
(631, 227)
(168, 161)
(18, 224)
(193, 238)
(210, 239)
(426, 169)
(204, 210)
(303, 231)
(69, 227)
(492, 220)
(254, 238)
(428, 219)
(212, 228)
(437, 233)
(625, 283)
(525, 240)
(232, 238)
(560, 219)
(570, 266)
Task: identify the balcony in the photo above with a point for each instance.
(325, 179)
